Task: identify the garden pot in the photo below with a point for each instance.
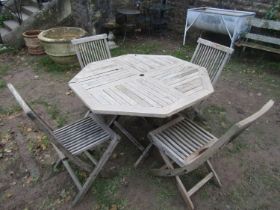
(57, 43)
(32, 42)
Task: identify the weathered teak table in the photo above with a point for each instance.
(141, 85)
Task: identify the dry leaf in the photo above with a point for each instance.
(8, 195)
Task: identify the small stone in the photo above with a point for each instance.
(114, 156)
(69, 92)
(112, 168)
(259, 94)
(7, 150)
(114, 207)
(36, 77)
(124, 181)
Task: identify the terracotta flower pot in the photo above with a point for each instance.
(32, 42)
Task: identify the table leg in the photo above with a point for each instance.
(114, 122)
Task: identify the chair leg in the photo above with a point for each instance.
(143, 155)
(184, 193)
(105, 157)
(91, 158)
(210, 168)
(57, 164)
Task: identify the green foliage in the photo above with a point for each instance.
(4, 17)
(9, 111)
(47, 64)
(2, 83)
(106, 190)
(3, 69)
(147, 47)
(273, 12)
(7, 49)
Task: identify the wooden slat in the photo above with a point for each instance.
(93, 48)
(263, 38)
(215, 45)
(266, 24)
(182, 139)
(89, 39)
(200, 184)
(212, 56)
(258, 46)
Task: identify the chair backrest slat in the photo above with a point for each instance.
(212, 56)
(90, 49)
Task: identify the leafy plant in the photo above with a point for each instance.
(4, 16)
(2, 84)
(273, 12)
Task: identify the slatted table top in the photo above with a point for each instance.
(141, 85)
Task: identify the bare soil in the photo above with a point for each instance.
(248, 167)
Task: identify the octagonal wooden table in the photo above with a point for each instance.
(141, 85)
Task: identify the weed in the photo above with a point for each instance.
(3, 69)
(36, 146)
(54, 203)
(47, 64)
(53, 112)
(106, 190)
(10, 111)
(239, 145)
(2, 84)
(179, 53)
(4, 16)
(217, 115)
(204, 194)
(7, 49)
(138, 48)
(165, 191)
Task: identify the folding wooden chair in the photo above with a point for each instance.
(212, 56)
(92, 48)
(73, 140)
(187, 145)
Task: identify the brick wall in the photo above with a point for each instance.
(177, 16)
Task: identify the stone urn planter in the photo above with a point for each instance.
(32, 42)
(57, 43)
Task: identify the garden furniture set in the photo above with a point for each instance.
(158, 86)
